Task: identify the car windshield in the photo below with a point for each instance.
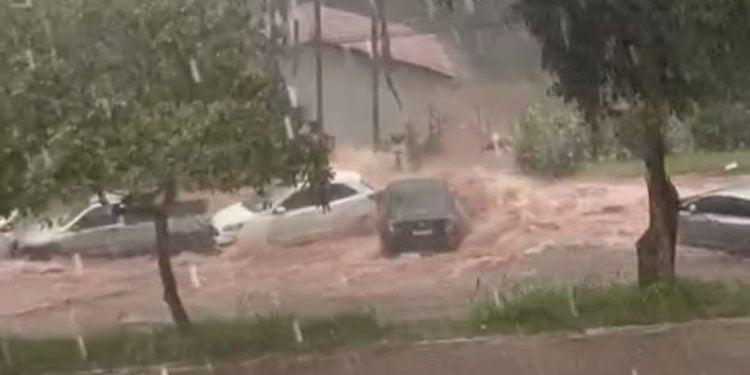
(69, 214)
(419, 198)
(262, 202)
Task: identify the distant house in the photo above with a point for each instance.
(423, 72)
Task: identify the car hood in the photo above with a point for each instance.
(36, 234)
(234, 214)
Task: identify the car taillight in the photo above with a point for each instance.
(449, 226)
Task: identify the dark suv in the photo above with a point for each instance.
(419, 214)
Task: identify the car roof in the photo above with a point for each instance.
(112, 198)
(741, 192)
(415, 183)
(346, 176)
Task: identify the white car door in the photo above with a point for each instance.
(350, 208)
(297, 219)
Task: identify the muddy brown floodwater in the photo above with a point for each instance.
(512, 217)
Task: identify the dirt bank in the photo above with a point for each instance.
(693, 349)
(700, 348)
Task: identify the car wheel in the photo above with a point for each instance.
(6, 251)
(387, 248)
(363, 226)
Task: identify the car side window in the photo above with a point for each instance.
(300, 199)
(97, 217)
(339, 191)
(743, 207)
(723, 206)
(737, 207)
(130, 218)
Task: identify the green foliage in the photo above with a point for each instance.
(212, 340)
(679, 136)
(135, 94)
(721, 127)
(657, 52)
(558, 309)
(550, 140)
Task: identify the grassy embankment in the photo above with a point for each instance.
(526, 311)
(677, 164)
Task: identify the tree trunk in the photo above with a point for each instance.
(595, 137)
(656, 247)
(374, 40)
(171, 295)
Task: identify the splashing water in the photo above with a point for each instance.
(634, 57)
(292, 92)
(73, 318)
(78, 264)
(195, 277)
(82, 348)
(496, 298)
(469, 6)
(456, 35)
(565, 27)
(297, 332)
(7, 357)
(275, 299)
(30, 59)
(572, 301)
(430, 4)
(194, 71)
(19, 5)
(267, 25)
(288, 126)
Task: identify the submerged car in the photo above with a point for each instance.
(419, 214)
(289, 216)
(719, 219)
(104, 229)
(6, 233)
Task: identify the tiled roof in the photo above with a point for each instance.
(352, 31)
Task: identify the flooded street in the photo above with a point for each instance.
(513, 218)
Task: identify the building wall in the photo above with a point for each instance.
(347, 90)
(347, 96)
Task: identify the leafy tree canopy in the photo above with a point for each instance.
(133, 94)
(672, 52)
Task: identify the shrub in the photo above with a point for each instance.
(721, 127)
(551, 139)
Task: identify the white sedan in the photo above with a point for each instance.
(289, 216)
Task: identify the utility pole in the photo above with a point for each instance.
(319, 64)
(375, 81)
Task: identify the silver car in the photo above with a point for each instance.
(105, 230)
(719, 219)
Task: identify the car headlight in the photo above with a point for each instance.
(391, 227)
(233, 227)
